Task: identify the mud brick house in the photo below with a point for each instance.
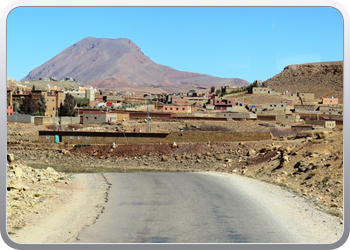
(331, 109)
(330, 100)
(176, 100)
(288, 102)
(54, 99)
(177, 108)
(97, 117)
(280, 107)
(9, 97)
(256, 107)
(288, 118)
(306, 97)
(261, 90)
(18, 97)
(305, 108)
(223, 103)
(325, 124)
(90, 94)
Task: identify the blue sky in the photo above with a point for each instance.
(231, 42)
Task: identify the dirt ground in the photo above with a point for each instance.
(310, 165)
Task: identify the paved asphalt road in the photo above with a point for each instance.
(181, 208)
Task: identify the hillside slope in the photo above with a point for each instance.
(325, 79)
(119, 63)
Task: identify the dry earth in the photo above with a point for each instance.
(310, 165)
(325, 79)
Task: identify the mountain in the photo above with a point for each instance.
(325, 79)
(120, 64)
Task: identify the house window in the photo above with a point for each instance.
(79, 137)
(171, 108)
(264, 89)
(166, 108)
(95, 118)
(183, 108)
(87, 137)
(71, 137)
(47, 137)
(177, 108)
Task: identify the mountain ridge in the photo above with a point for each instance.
(120, 64)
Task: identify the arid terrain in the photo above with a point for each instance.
(310, 163)
(121, 64)
(324, 79)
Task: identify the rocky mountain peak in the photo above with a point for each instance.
(121, 64)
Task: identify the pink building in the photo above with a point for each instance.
(177, 109)
(223, 103)
(9, 110)
(180, 100)
(330, 100)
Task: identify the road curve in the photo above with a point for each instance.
(181, 208)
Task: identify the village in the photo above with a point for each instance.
(92, 106)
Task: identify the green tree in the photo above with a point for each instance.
(82, 102)
(42, 106)
(67, 109)
(29, 106)
(212, 89)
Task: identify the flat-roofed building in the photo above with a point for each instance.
(177, 108)
(260, 90)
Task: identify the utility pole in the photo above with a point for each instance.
(148, 118)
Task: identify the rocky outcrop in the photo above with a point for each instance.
(28, 190)
(323, 79)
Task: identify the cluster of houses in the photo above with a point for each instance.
(104, 104)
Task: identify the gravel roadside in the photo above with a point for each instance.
(77, 206)
(81, 204)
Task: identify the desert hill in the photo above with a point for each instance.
(325, 79)
(120, 64)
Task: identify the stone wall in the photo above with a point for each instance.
(205, 136)
(139, 138)
(21, 118)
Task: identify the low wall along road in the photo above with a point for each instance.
(75, 137)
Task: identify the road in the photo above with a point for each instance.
(181, 208)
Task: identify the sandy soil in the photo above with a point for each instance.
(77, 205)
